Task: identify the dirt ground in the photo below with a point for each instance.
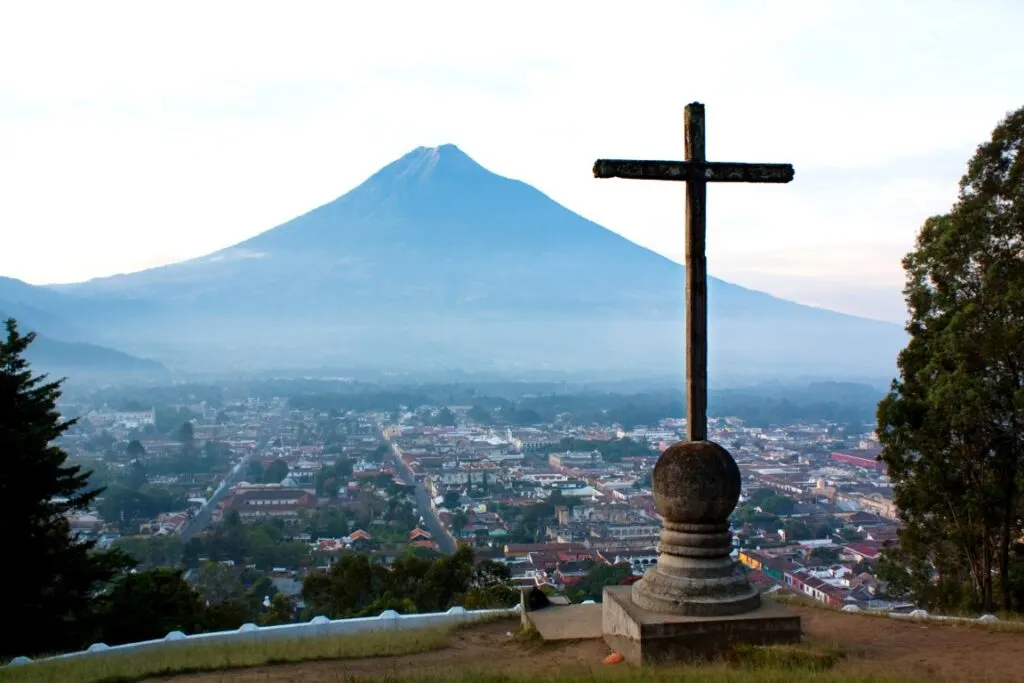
(872, 645)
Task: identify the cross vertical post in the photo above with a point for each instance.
(696, 280)
(696, 171)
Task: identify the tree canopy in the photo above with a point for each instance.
(356, 585)
(591, 586)
(952, 425)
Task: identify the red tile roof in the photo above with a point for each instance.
(866, 549)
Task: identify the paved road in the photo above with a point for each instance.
(237, 473)
(445, 542)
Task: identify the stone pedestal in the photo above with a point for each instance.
(697, 601)
(695, 575)
(644, 637)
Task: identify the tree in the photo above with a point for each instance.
(558, 499)
(266, 550)
(135, 450)
(153, 551)
(796, 530)
(343, 468)
(276, 472)
(613, 450)
(261, 588)
(480, 415)
(218, 582)
(254, 472)
(356, 585)
(952, 425)
(56, 575)
(591, 586)
(524, 417)
(490, 587)
(148, 605)
(772, 503)
(216, 455)
(325, 484)
(187, 435)
(101, 442)
(825, 555)
(326, 523)
(279, 612)
(135, 475)
(191, 552)
(451, 499)
(228, 540)
(345, 590)
(229, 615)
(445, 418)
(459, 521)
(124, 506)
(534, 519)
(170, 419)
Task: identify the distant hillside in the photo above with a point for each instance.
(72, 358)
(435, 262)
(75, 358)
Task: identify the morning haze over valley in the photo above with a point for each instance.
(468, 341)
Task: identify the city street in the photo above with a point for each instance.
(237, 473)
(445, 542)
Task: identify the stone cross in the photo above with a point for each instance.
(696, 172)
(696, 483)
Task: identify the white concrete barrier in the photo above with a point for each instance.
(921, 615)
(318, 626)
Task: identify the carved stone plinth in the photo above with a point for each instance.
(690, 604)
(695, 575)
(645, 637)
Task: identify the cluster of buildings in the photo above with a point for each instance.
(832, 511)
(551, 501)
(272, 465)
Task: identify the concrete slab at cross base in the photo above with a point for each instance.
(645, 637)
(571, 622)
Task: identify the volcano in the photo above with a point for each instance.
(435, 262)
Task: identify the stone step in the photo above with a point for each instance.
(568, 622)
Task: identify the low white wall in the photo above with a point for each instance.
(318, 626)
(922, 615)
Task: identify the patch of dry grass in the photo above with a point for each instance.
(803, 657)
(706, 674)
(125, 667)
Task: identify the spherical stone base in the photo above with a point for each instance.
(696, 482)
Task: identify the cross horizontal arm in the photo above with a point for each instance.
(710, 171)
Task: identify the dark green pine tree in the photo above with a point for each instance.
(49, 578)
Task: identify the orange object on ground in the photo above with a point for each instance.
(613, 658)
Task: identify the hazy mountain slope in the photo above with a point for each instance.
(77, 358)
(51, 355)
(52, 351)
(435, 260)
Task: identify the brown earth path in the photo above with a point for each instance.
(872, 645)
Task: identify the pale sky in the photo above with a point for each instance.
(134, 134)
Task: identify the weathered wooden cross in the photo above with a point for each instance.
(696, 172)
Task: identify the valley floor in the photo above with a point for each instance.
(874, 648)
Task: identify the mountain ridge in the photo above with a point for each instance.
(467, 266)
